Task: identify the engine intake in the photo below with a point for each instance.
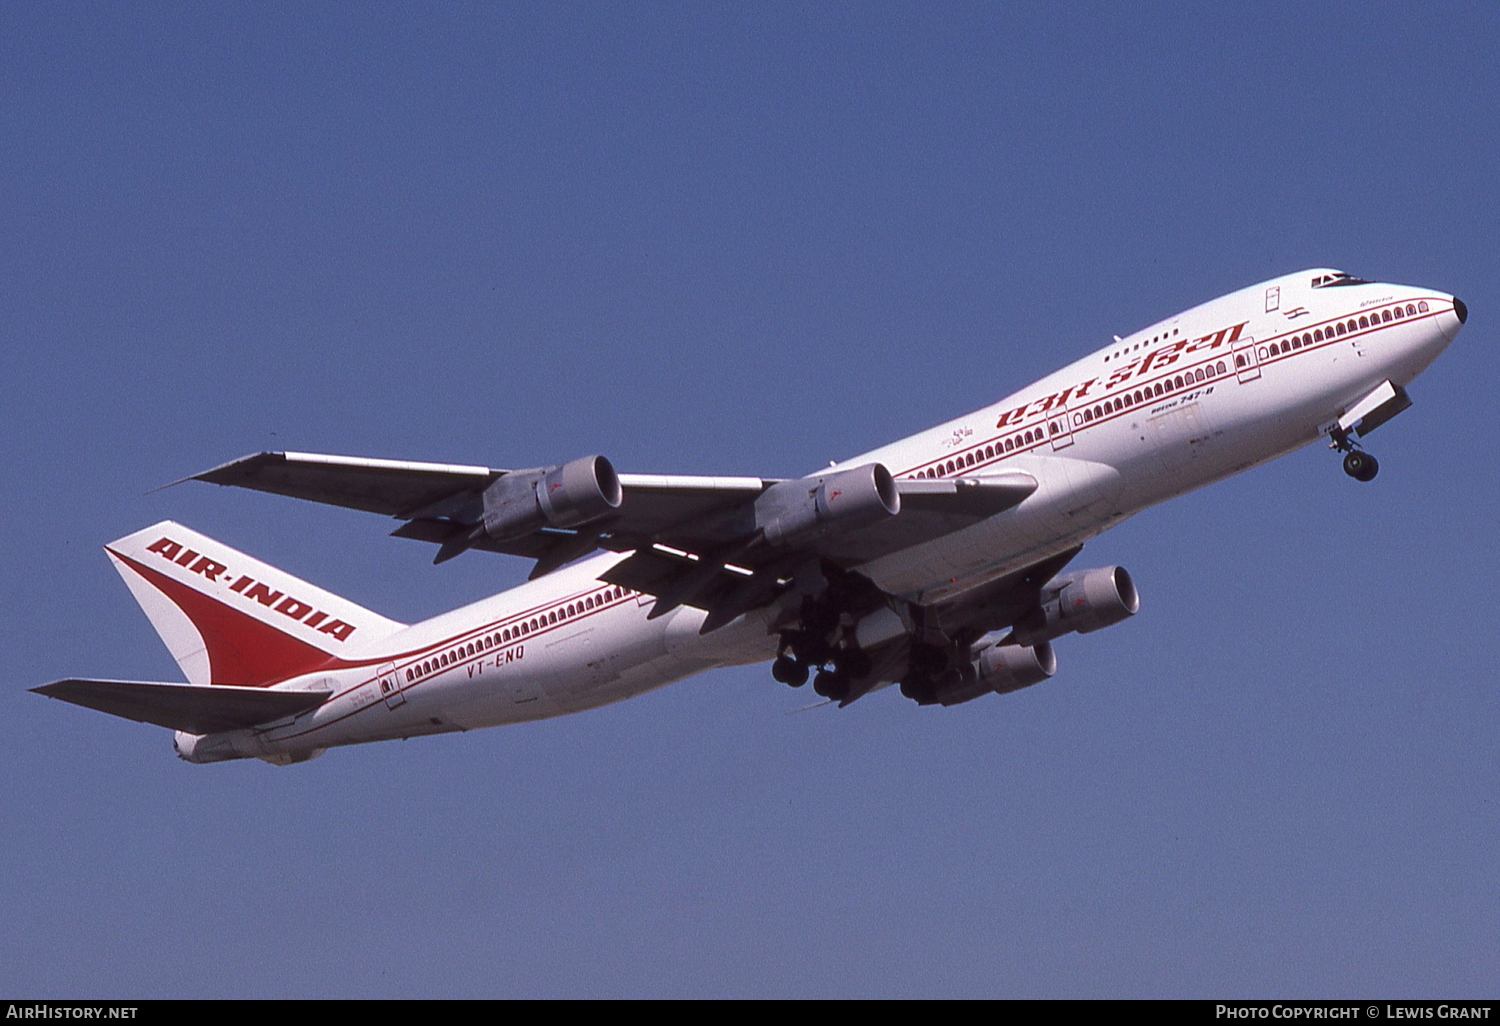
(565, 496)
(1082, 601)
(846, 500)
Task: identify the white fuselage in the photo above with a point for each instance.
(1199, 396)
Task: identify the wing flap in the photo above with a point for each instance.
(195, 708)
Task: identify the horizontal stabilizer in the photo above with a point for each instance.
(195, 708)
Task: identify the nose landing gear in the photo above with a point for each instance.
(1358, 464)
(1361, 465)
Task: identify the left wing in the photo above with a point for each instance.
(725, 544)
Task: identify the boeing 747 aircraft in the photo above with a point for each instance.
(937, 562)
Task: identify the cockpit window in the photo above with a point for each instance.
(1324, 281)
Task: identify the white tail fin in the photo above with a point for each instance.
(230, 619)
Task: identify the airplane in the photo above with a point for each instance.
(937, 563)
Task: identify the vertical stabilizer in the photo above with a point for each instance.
(230, 619)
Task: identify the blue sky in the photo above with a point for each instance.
(747, 240)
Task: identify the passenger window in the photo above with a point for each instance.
(1385, 315)
(1422, 306)
(1364, 322)
(1339, 328)
(1411, 311)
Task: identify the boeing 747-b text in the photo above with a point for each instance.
(936, 562)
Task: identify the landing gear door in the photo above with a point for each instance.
(1246, 362)
(390, 686)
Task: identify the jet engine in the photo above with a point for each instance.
(564, 496)
(998, 668)
(1080, 600)
(796, 511)
(1007, 668)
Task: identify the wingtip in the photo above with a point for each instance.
(204, 475)
(169, 484)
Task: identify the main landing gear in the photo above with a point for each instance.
(822, 644)
(834, 677)
(1358, 464)
(788, 670)
(837, 668)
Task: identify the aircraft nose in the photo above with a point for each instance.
(1449, 321)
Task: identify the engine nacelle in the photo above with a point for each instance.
(795, 511)
(1007, 668)
(566, 496)
(1082, 601)
(998, 668)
